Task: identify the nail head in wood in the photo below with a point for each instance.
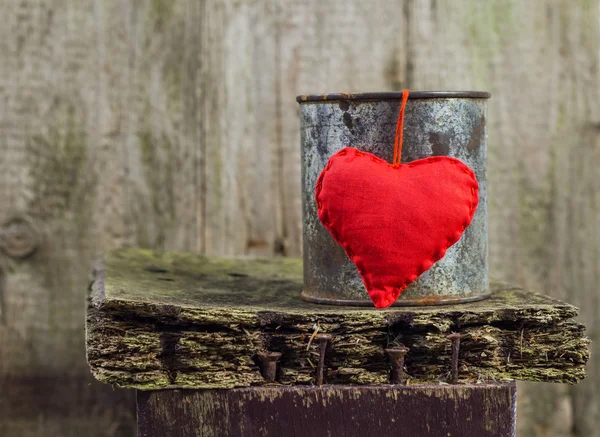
(455, 339)
(396, 356)
(322, 339)
(268, 362)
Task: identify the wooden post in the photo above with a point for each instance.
(485, 410)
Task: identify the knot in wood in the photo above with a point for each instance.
(18, 238)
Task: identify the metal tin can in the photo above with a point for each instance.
(435, 123)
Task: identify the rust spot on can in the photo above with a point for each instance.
(478, 130)
(344, 105)
(440, 144)
(347, 120)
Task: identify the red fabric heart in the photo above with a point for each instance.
(395, 221)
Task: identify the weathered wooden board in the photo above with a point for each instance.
(183, 320)
(483, 410)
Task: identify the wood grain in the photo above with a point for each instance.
(50, 161)
(474, 410)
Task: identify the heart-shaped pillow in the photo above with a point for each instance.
(394, 221)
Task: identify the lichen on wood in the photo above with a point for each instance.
(182, 320)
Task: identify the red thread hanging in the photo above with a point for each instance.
(400, 129)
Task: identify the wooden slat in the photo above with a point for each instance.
(57, 166)
(237, 102)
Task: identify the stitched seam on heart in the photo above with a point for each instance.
(430, 261)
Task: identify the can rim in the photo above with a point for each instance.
(395, 95)
(432, 300)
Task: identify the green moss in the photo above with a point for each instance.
(137, 278)
(161, 13)
(58, 169)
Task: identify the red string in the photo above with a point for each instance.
(400, 129)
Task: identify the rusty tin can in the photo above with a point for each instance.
(435, 123)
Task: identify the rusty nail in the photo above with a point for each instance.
(269, 364)
(455, 339)
(323, 339)
(396, 356)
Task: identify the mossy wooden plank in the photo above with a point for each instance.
(184, 320)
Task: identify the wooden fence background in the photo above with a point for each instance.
(172, 124)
